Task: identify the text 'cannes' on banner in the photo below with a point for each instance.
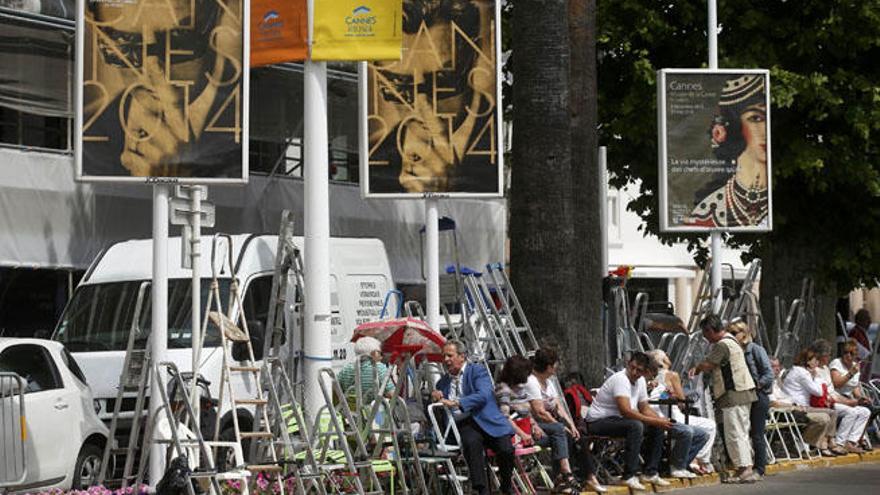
(715, 160)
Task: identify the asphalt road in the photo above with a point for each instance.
(860, 479)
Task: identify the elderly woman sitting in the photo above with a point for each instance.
(372, 370)
(669, 382)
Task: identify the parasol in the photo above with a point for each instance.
(404, 335)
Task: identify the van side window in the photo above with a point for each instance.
(34, 364)
(256, 301)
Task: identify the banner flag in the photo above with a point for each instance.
(279, 31)
(357, 30)
(431, 120)
(714, 143)
(162, 91)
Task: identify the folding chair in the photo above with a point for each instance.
(780, 421)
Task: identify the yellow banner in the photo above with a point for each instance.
(357, 30)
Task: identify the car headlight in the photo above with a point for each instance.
(97, 405)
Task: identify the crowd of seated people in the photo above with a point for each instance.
(645, 406)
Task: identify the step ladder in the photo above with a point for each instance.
(511, 314)
(134, 379)
(344, 429)
(291, 430)
(183, 417)
(262, 449)
(288, 268)
(488, 335)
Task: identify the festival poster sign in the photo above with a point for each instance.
(162, 93)
(430, 121)
(714, 150)
(357, 30)
(279, 31)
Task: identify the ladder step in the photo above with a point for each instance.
(273, 468)
(255, 402)
(252, 369)
(203, 474)
(256, 434)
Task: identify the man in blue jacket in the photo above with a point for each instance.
(467, 391)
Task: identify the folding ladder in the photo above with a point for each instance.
(511, 314)
(288, 265)
(488, 336)
(289, 426)
(136, 368)
(346, 433)
(180, 447)
(261, 437)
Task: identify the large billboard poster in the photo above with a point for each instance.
(430, 121)
(162, 91)
(714, 148)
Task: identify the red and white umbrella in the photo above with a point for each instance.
(404, 335)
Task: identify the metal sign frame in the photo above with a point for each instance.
(662, 144)
(363, 130)
(80, 176)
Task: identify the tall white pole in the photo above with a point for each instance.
(716, 246)
(159, 315)
(432, 258)
(316, 347)
(603, 206)
(195, 254)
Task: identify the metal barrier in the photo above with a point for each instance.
(13, 431)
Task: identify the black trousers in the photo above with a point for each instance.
(475, 441)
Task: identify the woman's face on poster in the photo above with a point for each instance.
(753, 122)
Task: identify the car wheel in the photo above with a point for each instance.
(226, 456)
(88, 467)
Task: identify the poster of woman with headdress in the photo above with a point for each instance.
(714, 150)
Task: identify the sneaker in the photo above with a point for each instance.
(682, 473)
(655, 479)
(633, 483)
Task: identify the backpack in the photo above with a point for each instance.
(578, 398)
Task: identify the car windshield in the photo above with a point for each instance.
(99, 317)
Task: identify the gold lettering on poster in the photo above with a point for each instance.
(161, 75)
(431, 116)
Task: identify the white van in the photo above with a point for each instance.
(96, 322)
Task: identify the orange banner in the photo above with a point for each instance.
(279, 31)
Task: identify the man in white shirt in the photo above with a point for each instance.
(621, 409)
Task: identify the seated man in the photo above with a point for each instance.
(467, 390)
(621, 409)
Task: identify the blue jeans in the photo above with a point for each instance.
(687, 441)
(556, 438)
(758, 418)
(633, 431)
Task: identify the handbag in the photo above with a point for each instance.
(821, 401)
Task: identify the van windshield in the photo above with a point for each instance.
(99, 316)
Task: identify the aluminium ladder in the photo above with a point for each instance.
(260, 437)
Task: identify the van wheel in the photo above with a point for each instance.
(88, 467)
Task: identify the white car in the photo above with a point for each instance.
(64, 438)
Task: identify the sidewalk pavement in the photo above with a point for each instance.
(781, 467)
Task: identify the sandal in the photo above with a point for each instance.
(566, 483)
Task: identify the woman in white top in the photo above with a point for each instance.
(802, 381)
(848, 399)
(670, 382)
(853, 418)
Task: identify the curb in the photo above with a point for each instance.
(779, 467)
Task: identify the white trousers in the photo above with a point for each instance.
(852, 423)
(705, 454)
(736, 434)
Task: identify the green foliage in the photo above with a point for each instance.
(825, 92)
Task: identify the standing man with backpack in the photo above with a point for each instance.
(733, 391)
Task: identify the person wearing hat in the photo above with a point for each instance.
(739, 136)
